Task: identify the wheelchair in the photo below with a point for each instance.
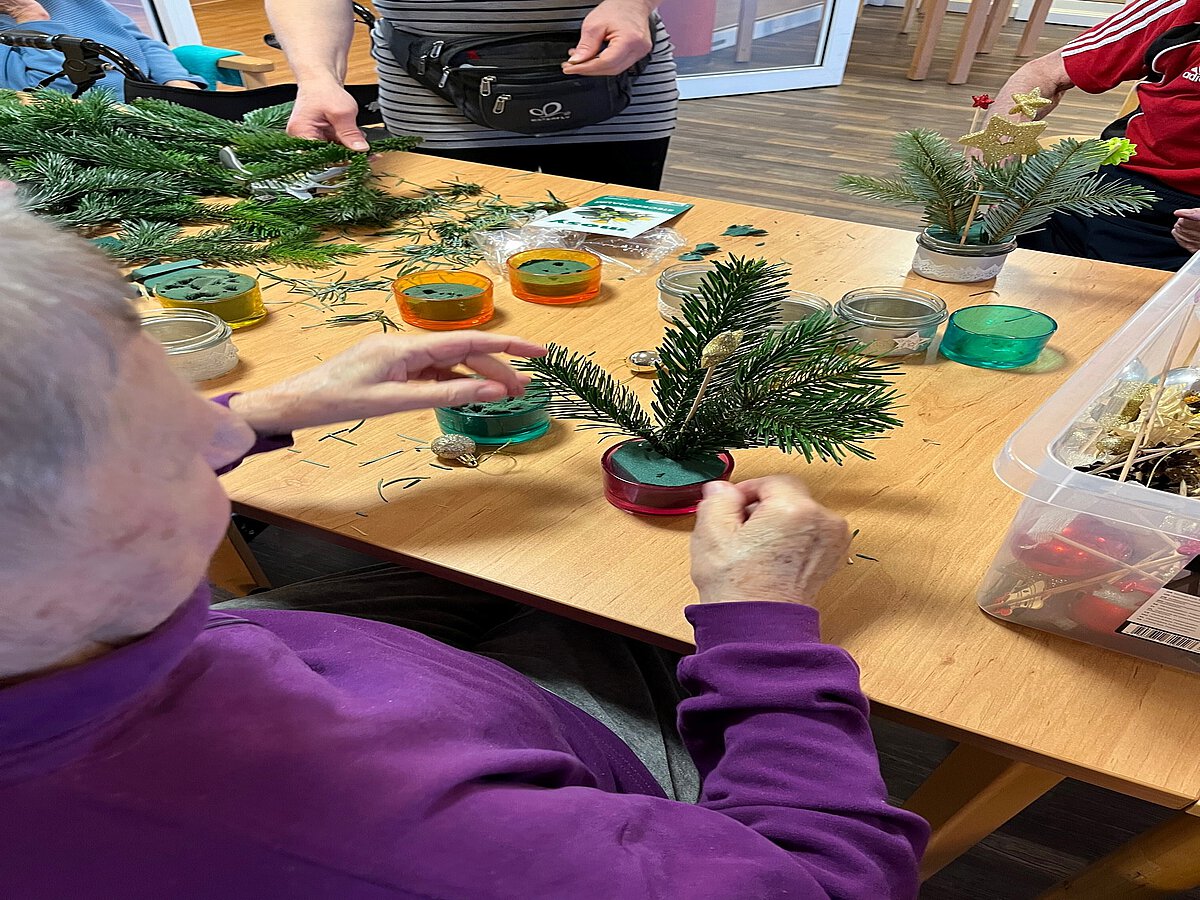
(86, 61)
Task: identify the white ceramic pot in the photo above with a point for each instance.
(959, 263)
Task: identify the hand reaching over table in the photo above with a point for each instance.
(386, 374)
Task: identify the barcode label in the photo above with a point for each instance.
(1162, 637)
(1169, 617)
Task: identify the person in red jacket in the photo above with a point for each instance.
(1157, 43)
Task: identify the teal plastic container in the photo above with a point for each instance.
(512, 420)
(996, 337)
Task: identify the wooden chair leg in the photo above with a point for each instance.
(968, 42)
(747, 19)
(970, 795)
(935, 12)
(1033, 28)
(909, 17)
(1163, 861)
(997, 16)
(234, 568)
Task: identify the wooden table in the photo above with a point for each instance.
(532, 525)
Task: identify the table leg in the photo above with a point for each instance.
(1164, 860)
(968, 42)
(1033, 28)
(234, 568)
(909, 16)
(747, 19)
(970, 795)
(935, 12)
(997, 16)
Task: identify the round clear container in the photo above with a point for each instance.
(199, 345)
(891, 321)
(798, 306)
(676, 283)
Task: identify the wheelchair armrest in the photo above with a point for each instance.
(246, 64)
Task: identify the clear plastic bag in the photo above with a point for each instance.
(625, 255)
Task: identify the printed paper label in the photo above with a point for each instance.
(625, 216)
(1169, 617)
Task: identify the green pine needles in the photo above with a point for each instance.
(149, 167)
(802, 388)
(1016, 196)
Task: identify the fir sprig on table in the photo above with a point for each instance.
(801, 388)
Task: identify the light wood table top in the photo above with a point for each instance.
(535, 527)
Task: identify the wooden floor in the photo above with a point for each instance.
(785, 150)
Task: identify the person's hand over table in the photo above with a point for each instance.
(622, 25)
(179, 82)
(765, 539)
(1187, 229)
(387, 374)
(24, 11)
(326, 112)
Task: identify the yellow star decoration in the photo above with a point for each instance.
(1002, 139)
(1028, 104)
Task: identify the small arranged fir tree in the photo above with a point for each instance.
(966, 200)
(728, 380)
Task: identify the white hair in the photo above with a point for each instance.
(64, 318)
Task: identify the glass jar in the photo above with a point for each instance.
(624, 490)
(798, 306)
(554, 276)
(444, 299)
(950, 261)
(230, 296)
(199, 345)
(676, 283)
(513, 420)
(891, 321)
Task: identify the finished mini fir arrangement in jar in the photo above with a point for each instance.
(554, 275)
(444, 300)
(199, 345)
(230, 296)
(891, 321)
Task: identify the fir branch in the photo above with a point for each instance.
(580, 389)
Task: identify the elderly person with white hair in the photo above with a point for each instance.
(151, 747)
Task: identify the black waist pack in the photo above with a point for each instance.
(513, 82)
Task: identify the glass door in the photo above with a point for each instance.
(171, 21)
(725, 47)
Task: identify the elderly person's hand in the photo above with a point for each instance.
(386, 374)
(1187, 229)
(325, 111)
(764, 539)
(624, 25)
(24, 11)
(180, 83)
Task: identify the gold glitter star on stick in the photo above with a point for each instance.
(1029, 104)
(1002, 139)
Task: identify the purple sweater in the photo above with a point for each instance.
(306, 755)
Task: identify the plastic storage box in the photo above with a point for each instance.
(1091, 558)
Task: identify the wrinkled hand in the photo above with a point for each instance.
(386, 374)
(326, 112)
(24, 11)
(624, 25)
(765, 539)
(179, 82)
(1187, 229)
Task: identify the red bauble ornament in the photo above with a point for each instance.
(1098, 614)
(1100, 535)
(1055, 557)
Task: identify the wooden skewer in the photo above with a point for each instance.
(1144, 431)
(1079, 585)
(1154, 454)
(970, 219)
(1104, 556)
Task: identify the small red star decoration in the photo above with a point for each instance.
(981, 101)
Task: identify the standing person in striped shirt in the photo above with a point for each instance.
(1156, 42)
(630, 148)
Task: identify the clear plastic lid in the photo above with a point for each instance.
(1038, 460)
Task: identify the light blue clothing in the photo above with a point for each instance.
(21, 67)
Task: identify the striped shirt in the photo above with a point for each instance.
(411, 108)
(1157, 41)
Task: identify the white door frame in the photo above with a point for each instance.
(176, 20)
(833, 46)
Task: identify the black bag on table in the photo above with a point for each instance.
(513, 82)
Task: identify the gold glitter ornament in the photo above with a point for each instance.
(720, 348)
(456, 447)
(1002, 139)
(1029, 103)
